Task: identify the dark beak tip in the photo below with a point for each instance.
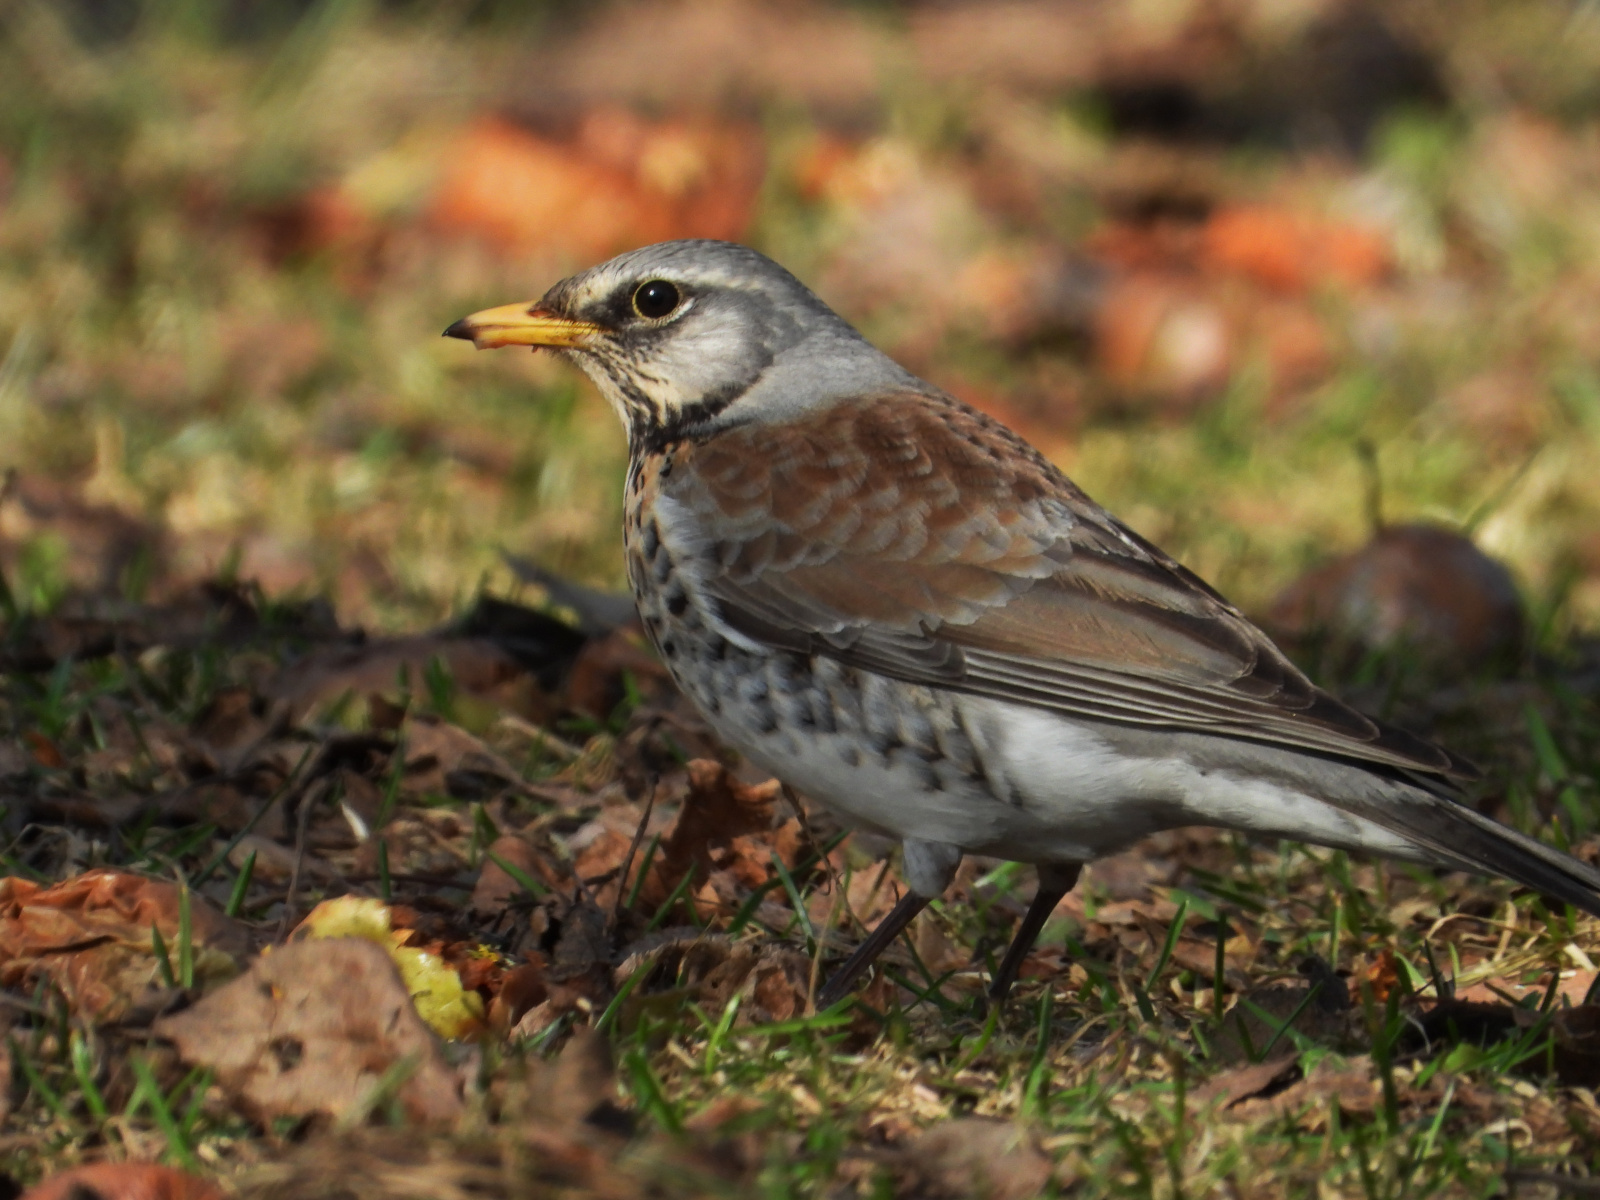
(461, 329)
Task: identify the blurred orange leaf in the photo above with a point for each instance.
(1293, 252)
(90, 935)
(123, 1181)
(619, 182)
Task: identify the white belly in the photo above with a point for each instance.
(1050, 791)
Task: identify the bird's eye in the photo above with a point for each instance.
(655, 299)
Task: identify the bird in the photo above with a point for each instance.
(899, 607)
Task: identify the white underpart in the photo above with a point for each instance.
(1092, 795)
(1057, 793)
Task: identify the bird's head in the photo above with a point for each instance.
(688, 336)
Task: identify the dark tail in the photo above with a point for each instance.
(1465, 838)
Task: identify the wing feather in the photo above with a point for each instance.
(910, 535)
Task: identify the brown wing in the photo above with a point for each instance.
(909, 535)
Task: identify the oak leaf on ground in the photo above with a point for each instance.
(312, 1028)
(91, 936)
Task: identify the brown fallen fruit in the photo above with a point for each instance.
(1420, 586)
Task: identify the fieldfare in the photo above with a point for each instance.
(897, 605)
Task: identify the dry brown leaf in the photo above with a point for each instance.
(579, 1083)
(563, 1133)
(124, 1181)
(724, 825)
(779, 986)
(1164, 336)
(235, 722)
(1256, 1021)
(1352, 1085)
(90, 936)
(477, 666)
(1383, 975)
(441, 757)
(1573, 989)
(274, 862)
(710, 969)
(934, 946)
(580, 966)
(597, 683)
(1246, 1082)
(973, 1158)
(497, 886)
(521, 989)
(311, 1028)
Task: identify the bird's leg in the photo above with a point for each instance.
(1054, 883)
(873, 945)
(928, 868)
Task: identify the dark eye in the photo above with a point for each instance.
(655, 299)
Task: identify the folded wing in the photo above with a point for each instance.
(909, 535)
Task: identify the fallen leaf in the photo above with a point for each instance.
(1574, 988)
(973, 1158)
(311, 1028)
(580, 965)
(1250, 1081)
(779, 986)
(124, 1181)
(1293, 252)
(938, 952)
(476, 666)
(1161, 335)
(718, 811)
(236, 721)
(1266, 1016)
(606, 666)
(1383, 975)
(450, 1009)
(1350, 1084)
(90, 936)
(579, 1087)
(45, 752)
(274, 862)
(444, 759)
(497, 886)
(521, 988)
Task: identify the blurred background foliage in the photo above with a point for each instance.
(1239, 266)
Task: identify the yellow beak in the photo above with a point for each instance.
(523, 325)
